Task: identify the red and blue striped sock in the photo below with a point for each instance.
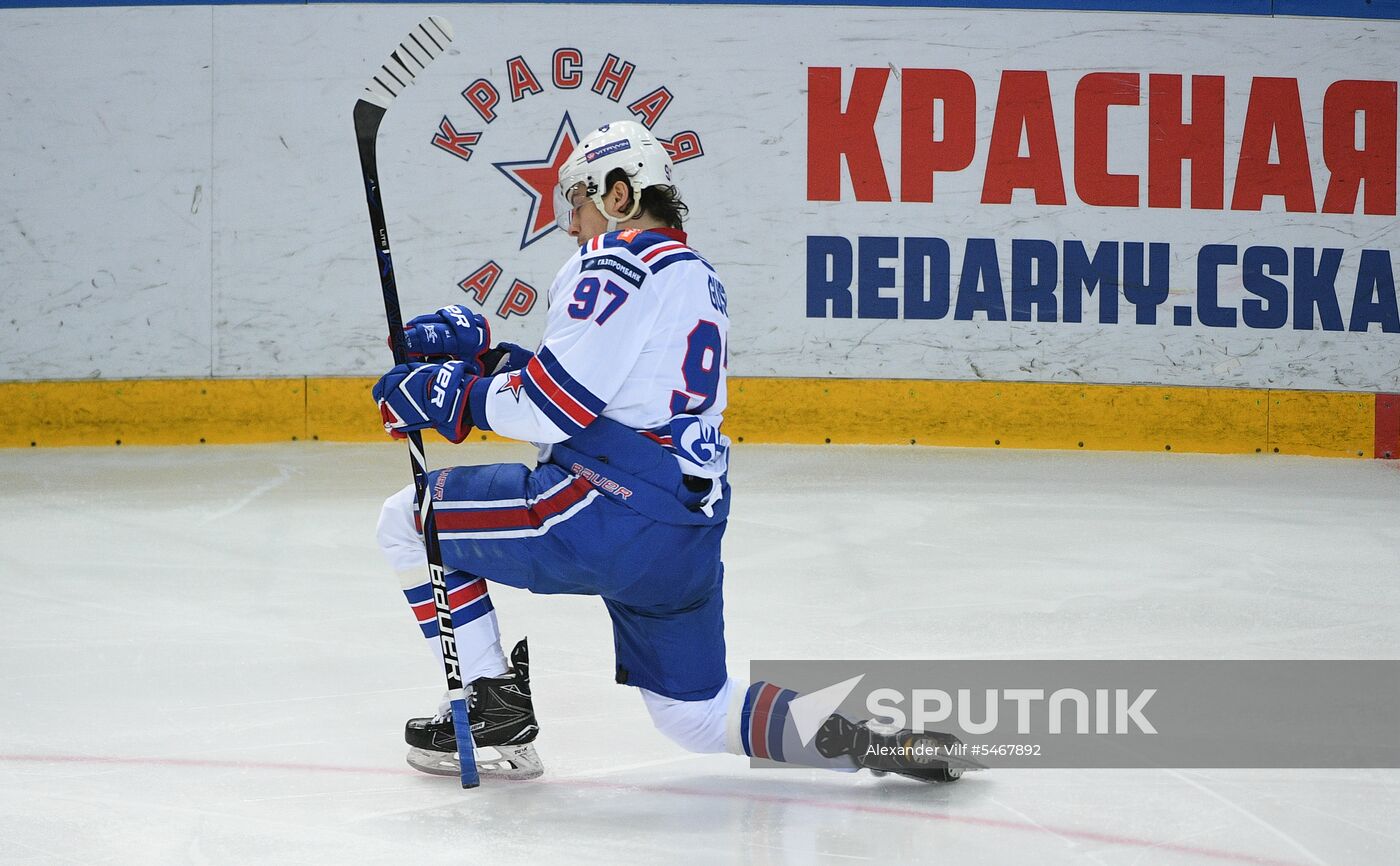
(474, 621)
(767, 731)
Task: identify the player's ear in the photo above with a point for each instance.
(619, 197)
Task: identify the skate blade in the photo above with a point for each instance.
(929, 777)
(946, 768)
(514, 763)
(957, 764)
(511, 763)
(952, 775)
(434, 763)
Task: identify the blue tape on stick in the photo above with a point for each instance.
(466, 750)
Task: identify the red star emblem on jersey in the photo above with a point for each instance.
(537, 178)
(514, 382)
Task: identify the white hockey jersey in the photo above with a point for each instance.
(637, 331)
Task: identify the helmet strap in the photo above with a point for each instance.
(612, 220)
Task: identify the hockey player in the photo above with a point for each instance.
(624, 397)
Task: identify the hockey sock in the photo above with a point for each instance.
(762, 727)
(473, 619)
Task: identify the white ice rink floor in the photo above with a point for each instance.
(203, 659)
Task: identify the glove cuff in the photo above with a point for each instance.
(476, 401)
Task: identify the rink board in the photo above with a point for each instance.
(798, 411)
(219, 231)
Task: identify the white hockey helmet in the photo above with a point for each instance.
(624, 144)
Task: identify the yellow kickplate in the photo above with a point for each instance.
(842, 411)
(342, 410)
(153, 412)
(1322, 423)
(999, 414)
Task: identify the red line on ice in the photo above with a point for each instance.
(811, 803)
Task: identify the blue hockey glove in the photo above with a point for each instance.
(417, 396)
(452, 332)
(504, 358)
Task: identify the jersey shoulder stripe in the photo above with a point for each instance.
(685, 255)
(616, 252)
(658, 251)
(634, 241)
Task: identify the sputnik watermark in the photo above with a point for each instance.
(1114, 711)
(1093, 713)
(978, 711)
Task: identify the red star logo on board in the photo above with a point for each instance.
(514, 382)
(537, 178)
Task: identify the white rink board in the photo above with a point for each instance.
(105, 193)
(267, 269)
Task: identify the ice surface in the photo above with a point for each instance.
(203, 659)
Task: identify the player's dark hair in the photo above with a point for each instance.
(661, 202)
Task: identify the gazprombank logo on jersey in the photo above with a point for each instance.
(532, 168)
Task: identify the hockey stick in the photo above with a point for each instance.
(423, 44)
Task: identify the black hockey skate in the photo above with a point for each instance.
(932, 756)
(502, 718)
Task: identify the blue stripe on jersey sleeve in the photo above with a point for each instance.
(560, 418)
(571, 386)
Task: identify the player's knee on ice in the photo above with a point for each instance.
(696, 726)
(397, 534)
